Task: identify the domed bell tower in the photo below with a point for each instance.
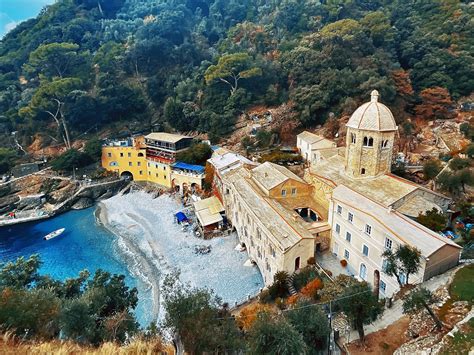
(370, 138)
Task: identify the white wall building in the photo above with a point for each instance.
(362, 229)
(311, 146)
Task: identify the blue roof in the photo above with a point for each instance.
(181, 217)
(181, 165)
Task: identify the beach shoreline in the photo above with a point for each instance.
(148, 269)
(150, 238)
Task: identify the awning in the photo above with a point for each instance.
(191, 167)
(208, 211)
(206, 218)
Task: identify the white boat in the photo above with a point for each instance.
(54, 234)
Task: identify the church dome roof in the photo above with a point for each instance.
(373, 116)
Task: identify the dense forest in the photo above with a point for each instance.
(197, 64)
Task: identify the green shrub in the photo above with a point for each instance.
(279, 288)
(305, 275)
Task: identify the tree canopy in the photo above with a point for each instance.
(83, 309)
(196, 65)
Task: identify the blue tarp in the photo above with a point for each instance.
(181, 217)
(184, 166)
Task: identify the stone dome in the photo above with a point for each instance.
(373, 116)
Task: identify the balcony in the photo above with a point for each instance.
(187, 173)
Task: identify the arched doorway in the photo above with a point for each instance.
(175, 186)
(376, 283)
(363, 272)
(297, 263)
(127, 175)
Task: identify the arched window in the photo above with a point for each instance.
(362, 171)
(363, 272)
(140, 154)
(371, 142)
(366, 140)
(353, 138)
(385, 143)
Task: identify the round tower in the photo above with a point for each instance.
(369, 141)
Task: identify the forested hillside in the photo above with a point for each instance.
(197, 64)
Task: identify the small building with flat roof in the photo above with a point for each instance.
(209, 213)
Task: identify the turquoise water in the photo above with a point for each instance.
(83, 245)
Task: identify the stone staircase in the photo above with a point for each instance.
(290, 284)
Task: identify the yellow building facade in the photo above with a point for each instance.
(131, 158)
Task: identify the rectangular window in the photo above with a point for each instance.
(156, 174)
(164, 168)
(121, 155)
(156, 166)
(350, 217)
(140, 172)
(368, 229)
(339, 209)
(338, 228)
(283, 193)
(149, 173)
(293, 191)
(165, 177)
(148, 164)
(403, 278)
(346, 254)
(348, 236)
(384, 265)
(388, 243)
(109, 155)
(129, 155)
(365, 250)
(129, 163)
(383, 287)
(139, 163)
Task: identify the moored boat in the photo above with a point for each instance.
(54, 234)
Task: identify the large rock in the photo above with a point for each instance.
(83, 202)
(8, 203)
(31, 202)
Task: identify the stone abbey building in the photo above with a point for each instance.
(370, 209)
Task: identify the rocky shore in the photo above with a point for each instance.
(38, 197)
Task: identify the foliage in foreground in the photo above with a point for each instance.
(402, 263)
(83, 309)
(420, 299)
(198, 318)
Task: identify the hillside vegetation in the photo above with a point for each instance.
(85, 65)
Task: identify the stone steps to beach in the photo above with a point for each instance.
(291, 286)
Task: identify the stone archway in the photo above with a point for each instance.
(127, 175)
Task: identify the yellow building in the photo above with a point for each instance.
(153, 159)
(127, 158)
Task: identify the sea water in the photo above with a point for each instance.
(83, 245)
